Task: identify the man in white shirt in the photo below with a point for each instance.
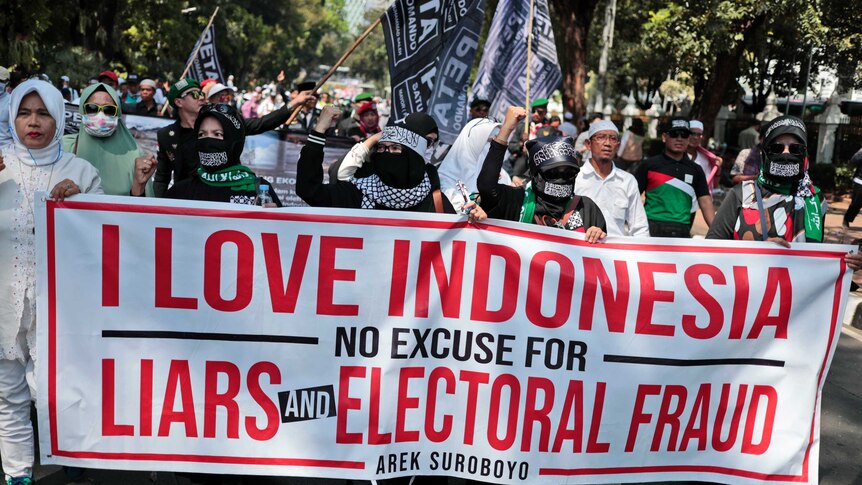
(615, 191)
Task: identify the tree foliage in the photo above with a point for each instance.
(707, 47)
(255, 38)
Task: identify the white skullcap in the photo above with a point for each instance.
(603, 125)
(695, 124)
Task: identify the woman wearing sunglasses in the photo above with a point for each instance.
(106, 143)
(781, 205)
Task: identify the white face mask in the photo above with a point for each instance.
(100, 125)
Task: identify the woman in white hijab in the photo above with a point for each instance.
(464, 160)
(33, 162)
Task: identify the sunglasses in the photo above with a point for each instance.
(566, 173)
(678, 134)
(93, 108)
(194, 94)
(778, 148)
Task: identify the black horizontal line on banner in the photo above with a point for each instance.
(227, 337)
(630, 359)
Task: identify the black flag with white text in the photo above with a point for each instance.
(205, 65)
(431, 46)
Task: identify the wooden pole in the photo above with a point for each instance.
(529, 68)
(335, 66)
(192, 58)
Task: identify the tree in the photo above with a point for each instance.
(571, 33)
(255, 38)
(369, 61)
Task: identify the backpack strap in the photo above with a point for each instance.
(438, 201)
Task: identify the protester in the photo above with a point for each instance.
(615, 191)
(351, 119)
(707, 160)
(133, 93)
(177, 139)
(221, 176)
(856, 201)
(357, 161)
(308, 113)
(673, 183)
(34, 161)
(110, 78)
(567, 127)
(369, 120)
(106, 143)
(747, 164)
(249, 107)
(178, 155)
(400, 178)
(582, 138)
(206, 85)
(548, 198)
(219, 93)
(464, 160)
(147, 106)
(271, 102)
(781, 205)
(516, 164)
(66, 84)
(479, 108)
(630, 152)
(748, 137)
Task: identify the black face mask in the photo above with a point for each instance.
(554, 188)
(214, 154)
(401, 171)
(784, 168)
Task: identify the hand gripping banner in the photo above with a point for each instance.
(366, 344)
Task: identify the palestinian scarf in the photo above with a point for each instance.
(375, 192)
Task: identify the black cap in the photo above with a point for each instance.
(785, 125)
(552, 152)
(421, 123)
(676, 124)
(305, 86)
(132, 78)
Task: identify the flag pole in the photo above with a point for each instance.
(529, 68)
(193, 57)
(335, 66)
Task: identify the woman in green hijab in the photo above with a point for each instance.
(107, 144)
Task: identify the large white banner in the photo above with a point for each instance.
(365, 344)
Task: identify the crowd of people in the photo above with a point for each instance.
(528, 168)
